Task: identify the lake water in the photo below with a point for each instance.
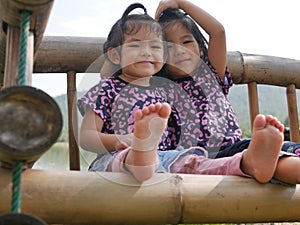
(57, 158)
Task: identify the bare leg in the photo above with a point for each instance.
(288, 170)
(261, 157)
(149, 125)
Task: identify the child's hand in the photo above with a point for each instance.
(166, 4)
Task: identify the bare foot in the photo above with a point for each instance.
(260, 159)
(149, 125)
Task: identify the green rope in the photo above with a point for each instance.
(24, 33)
(16, 187)
(17, 167)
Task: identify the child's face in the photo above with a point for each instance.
(183, 49)
(142, 54)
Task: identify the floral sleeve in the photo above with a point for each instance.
(224, 84)
(97, 99)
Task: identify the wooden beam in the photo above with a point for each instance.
(63, 54)
(84, 55)
(77, 197)
(10, 16)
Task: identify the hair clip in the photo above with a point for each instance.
(128, 10)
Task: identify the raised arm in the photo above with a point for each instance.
(215, 30)
(92, 139)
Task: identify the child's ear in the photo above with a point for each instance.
(201, 52)
(114, 56)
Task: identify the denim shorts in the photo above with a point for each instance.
(166, 158)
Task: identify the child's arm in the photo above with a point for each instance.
(215, 30)
(91, 138)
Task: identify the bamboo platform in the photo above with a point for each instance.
(79, 197)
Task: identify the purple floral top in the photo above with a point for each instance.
(216, 118)
(116, 102)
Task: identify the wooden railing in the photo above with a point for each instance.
(73, 55)
(75, 197)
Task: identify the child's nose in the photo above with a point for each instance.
(179, 49)
(146, 50)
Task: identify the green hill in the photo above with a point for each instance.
(272, 100)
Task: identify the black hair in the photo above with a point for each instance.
(172, 16)
(131, 24)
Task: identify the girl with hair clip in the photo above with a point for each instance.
(127, 102)
(199, 68)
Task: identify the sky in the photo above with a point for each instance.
(265, 27)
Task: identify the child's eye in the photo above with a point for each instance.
(133, 45)
(156, 46)
(187, 41)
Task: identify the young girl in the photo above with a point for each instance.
(135, 44)
(201, 71)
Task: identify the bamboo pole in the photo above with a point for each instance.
(77, 197)
(293, 113)
(82, 54)
(229, 199)
(262, 69)
(63, 54)
(74, 197)
(74, 158)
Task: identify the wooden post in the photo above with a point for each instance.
(11, 58)
(72, 121)
(293, 113)
(253, 101)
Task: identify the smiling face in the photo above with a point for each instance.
(142, 55)
(183, 49)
